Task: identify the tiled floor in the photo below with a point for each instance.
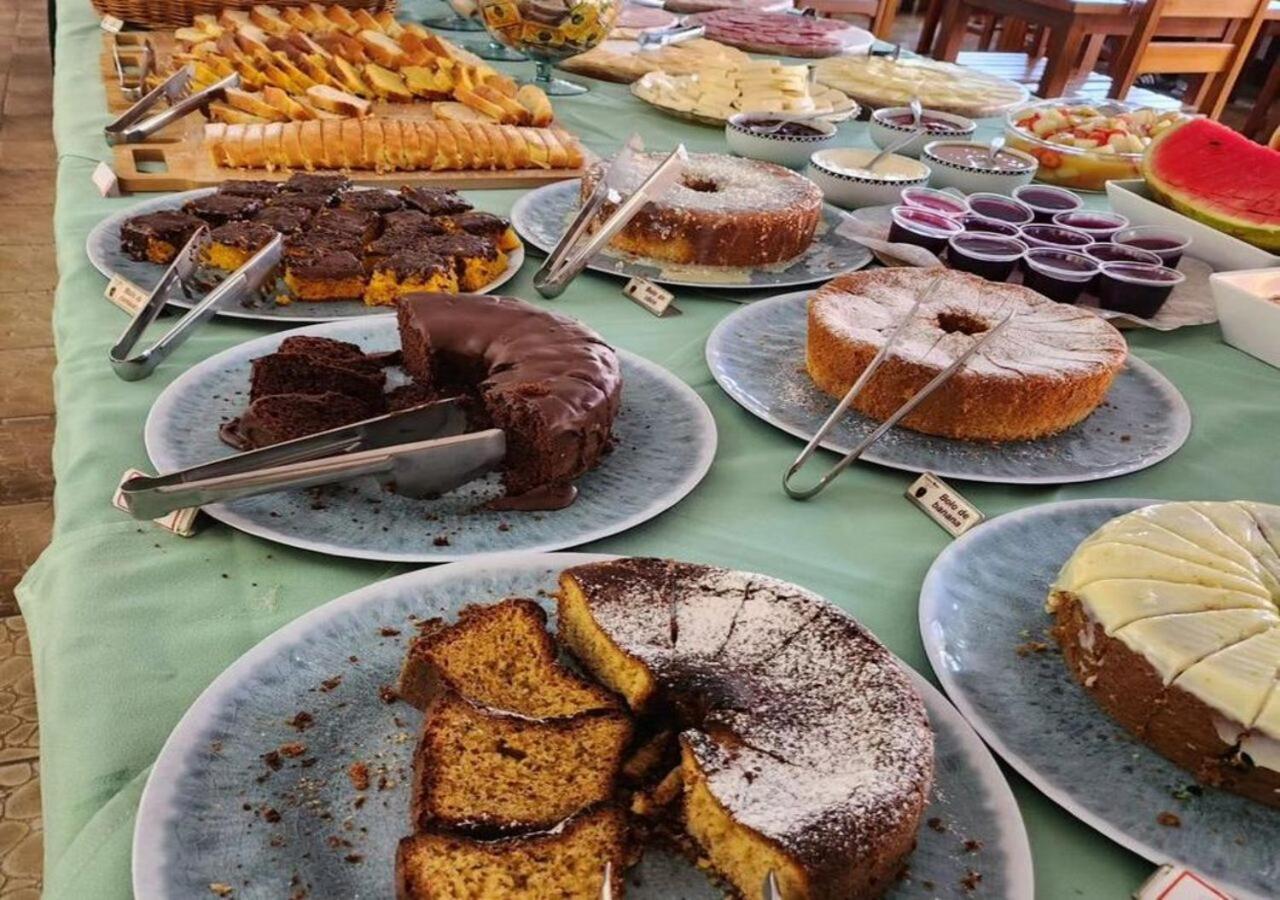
(27, 161)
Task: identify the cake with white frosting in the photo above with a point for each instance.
(804, 748)
(1168, 617)
(1045, 371)
(724, 211)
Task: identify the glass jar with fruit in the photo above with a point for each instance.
(1083, 143)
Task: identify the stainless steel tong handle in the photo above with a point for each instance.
(236, 287)
(571, 255)
(902, 412)
(419, 469)
(770, 889)
(130, 127)
(664, 37)
(145, 66)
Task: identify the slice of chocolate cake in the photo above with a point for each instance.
(299, 373)
(259, 190)
(283, 417)
(219, 209)
(374, 201)
(231, 245)
(311, 183)
(288, 220)
(434, 201)
(338, 353)
(157, 237)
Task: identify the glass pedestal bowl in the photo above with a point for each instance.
(548, 31)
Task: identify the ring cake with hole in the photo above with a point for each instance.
(1047, 369)
(725, 211)
(804, 748)
(1168, 617)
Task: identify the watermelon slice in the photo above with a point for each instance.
(1219, 177)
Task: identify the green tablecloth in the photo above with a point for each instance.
(128, 624)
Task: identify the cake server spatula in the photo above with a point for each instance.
(420, 451)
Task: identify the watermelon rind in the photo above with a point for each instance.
(1217, 176)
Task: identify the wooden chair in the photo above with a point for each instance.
(880, 12)
(1216, 63)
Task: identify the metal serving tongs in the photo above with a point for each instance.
(665, 37)
(134, 125)
(145, 65)
(915, 400)
(236, 287)
(571, 254)
(422, 451)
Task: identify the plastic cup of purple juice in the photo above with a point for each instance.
(912, 225)
(998, 206)
(993, 256)
(1139, 289)
(976, 223)
(1166, 243)
(935, 201)
(1041, 235)
(1098, 225)
(1059, 274)
(1047, 201)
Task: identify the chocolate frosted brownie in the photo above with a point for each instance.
(259, 190)
(434, 201)
(408, 272)
(157, 237)
(218, 209)
(354, 222)
(325, 275)
(375, 201)
(477, 260)
(310, 202)
(231, 245)
(412, 218)
(310, 183)
(287, 220)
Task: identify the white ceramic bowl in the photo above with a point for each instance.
(838, 172)
(884, 132)
(974, 178)
(790, 150)
(1249, 317)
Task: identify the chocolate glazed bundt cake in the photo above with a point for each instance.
(805, 750)
(549, 382)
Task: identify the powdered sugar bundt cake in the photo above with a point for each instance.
(1168, 617)
(725, 211)
(1048, 369)
(804, 751)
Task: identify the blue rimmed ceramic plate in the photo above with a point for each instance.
(981, 604)
(103, 248)
(541, 217)
(201, 819)
(665, 441)
(757, 353)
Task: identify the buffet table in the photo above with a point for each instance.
(129, 624)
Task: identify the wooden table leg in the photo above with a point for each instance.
(929, 29)
(951, 31)
(1065, 44)
(1092, 50)
(1013, 36)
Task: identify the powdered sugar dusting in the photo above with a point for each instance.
(728, 184)
(812, 734)
(1044, 338)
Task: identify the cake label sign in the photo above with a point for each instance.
(656, 299)
(125, 294)
(181, 522)
(940, 502)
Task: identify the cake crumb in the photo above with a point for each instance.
(441, 540)
(354, 858)
(1029, 647)
(358, 772)
(330, 683)
(937, 825)
(270, 814)
(302, 720)
(293, 749)
(388, 631)
(971, 880)
(221, 890)
(972, 846)
(1169, 820)
(272, 759)
(387, 694)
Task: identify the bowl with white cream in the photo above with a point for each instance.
(846, 181)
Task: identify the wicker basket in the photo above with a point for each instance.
(176, 13)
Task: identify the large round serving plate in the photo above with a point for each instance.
(665, 441)
(757, 355)
(103, 248)
(200, 819)
(541, 217)
(981, 607)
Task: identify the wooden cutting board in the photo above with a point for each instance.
(175, 159)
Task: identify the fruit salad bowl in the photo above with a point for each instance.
(1082, 143)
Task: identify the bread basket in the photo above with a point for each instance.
(176, 13)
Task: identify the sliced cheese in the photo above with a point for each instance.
(1111, 559)
(1114, 603)
(1173, 644)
